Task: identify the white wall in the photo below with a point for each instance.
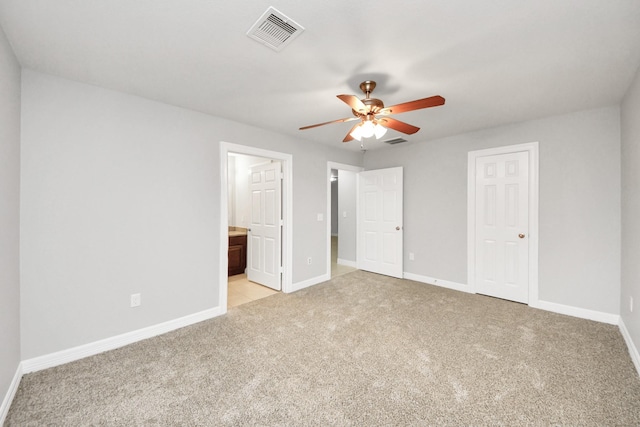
(347, 200)
(630, 124)
(9, 217)
(579, 256)
(121, 195)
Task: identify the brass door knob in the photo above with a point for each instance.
(521, 236)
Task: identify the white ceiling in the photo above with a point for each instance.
(495, 61)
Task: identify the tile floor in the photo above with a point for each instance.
(242, 291)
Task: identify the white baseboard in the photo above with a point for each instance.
(86, 350)
(583, 313)
(437, 282)
(309, 282)
(633, 350)
(8, 398)
(346, 262)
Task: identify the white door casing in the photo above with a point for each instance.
(380, 221)
(502, 226)
(264, 233)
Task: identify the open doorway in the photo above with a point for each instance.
(244, 217)
(342, 209)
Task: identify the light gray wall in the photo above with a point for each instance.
(579, 257)
(630, 122)
(9, 215)
(120, 195)
(347, 200)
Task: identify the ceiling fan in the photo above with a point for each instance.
(368, 109)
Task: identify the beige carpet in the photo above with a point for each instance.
(359, 350)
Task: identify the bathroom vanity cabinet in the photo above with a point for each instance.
(237, 253)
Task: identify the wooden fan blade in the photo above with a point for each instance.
(349, 137)
(432, 101)
(348, 119)
(398, 125)
(353, 102)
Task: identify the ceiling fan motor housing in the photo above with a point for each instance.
(373, 106)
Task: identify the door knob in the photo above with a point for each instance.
(398, 228)
(521, 236)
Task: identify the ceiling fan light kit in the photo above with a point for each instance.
(379, 131)
(366, 110)
(367, 129)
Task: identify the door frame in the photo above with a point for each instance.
(344, 167)
(287, 211)
(532, 149)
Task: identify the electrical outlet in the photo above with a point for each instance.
(411, 256)
(309, 260)
(135, 300)
(631, 304)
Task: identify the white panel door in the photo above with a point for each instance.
(502, 225)
(265, 226)
(380, 221)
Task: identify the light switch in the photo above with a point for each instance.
(344, 214)
(320, 217)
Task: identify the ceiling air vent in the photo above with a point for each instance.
(395, 141)
(275, 30)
